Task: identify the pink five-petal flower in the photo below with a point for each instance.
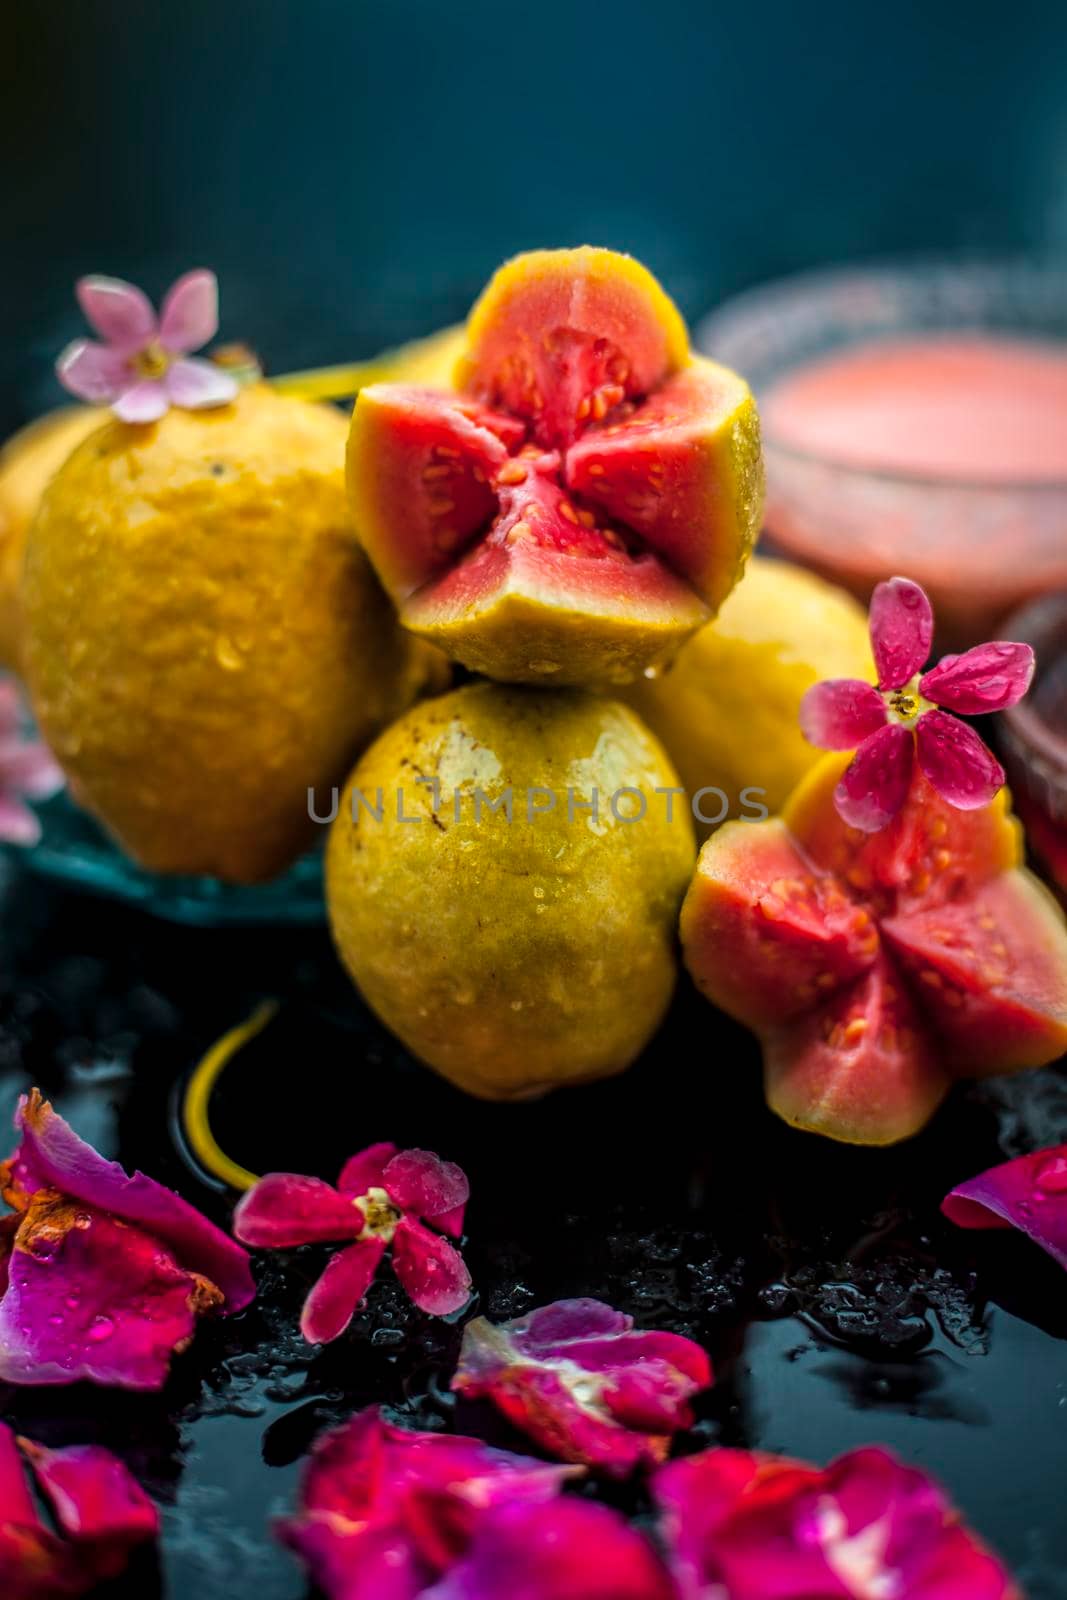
(584, 1383)
(28, 771)
(144, 365)
(746, 1525)
(564, 1550)
(891, 725)
(101, 1514)
(1029, 1193)
(384, 1511)
(106, 1274)
(383, 1198)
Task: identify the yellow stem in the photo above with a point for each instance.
(197, 1099)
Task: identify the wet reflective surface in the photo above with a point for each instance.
(838, 1306)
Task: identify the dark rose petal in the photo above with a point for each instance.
(384, 1510)
(902, 630)
(568, 1550)
(96, 1501)
(16, 1502)
(580, 1380)
(841, 713)
(336, 1297)
(432, 1271)
(54, 1153)
(876, 781)
(89, 1297)
(286, 1209)
(752, 1525)
(1029, 1193)
(991, 677)
(961, 768)
(419, 1181)
(366, 1170)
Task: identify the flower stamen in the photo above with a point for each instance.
(380, 1216)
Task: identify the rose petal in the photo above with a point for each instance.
(384, 1510)
(88, 1297)
(94, 1496)
(752, 1525)
(119, 312)
(902, 630)
(840, 714)
(18, 824)
(30, 768)
(142, 402)
(431, 1271)
(421, 1182)
(876, 781)
(339, 1292)
(366, 1170)
(991, 677)
(286, 1209)
(53, 1151)
(962, 769)
(1029, 1193)
(16, 1502)
(190, 313)
(568, 1550)
(93, 372)
(198, 385)
(583, 1383)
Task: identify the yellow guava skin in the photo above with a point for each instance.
(512, 957)
(28, 461)
(204, 638)
(728, 709)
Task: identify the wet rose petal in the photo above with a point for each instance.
(385, 1511)
(432, 1271)
(421, 1182)
(366, 1169)
(567, 1550)
(89, 1297)
(93, 1495)
(285, 1209)
(840, 713)
(876, 782)
(901, 623)
(338, 1293)
(53, 1152)
(991, 677)
(1029, 1193)
(749, 1526)
(580, 1380)
(955, 760)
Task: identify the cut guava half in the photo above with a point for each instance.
(588, 497)
(877, 968)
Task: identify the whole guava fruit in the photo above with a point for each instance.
(511, 937)
(203, 638)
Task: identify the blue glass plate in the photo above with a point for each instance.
(74, 849)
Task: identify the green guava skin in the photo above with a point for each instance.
(512, 957)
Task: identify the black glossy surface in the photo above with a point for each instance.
(838, 1306)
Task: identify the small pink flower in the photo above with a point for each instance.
(383, 1197)
(143, 366)
(28, 771)
(1029, 1193)
(99, 1510)
(746, 1525)
(889, 726)
(384, 1511)
(102, 1275)
(584, 1383)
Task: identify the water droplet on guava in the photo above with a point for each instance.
(102, 1328)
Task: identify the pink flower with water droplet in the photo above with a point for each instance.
(103, 1275)
(144, 366)
(906, 717)
(1029, 1193)
(384, 1198)
(582, 1381)
(745, 1525)
(28, 771)
(99, 1510)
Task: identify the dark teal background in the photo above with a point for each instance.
(354, 170)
